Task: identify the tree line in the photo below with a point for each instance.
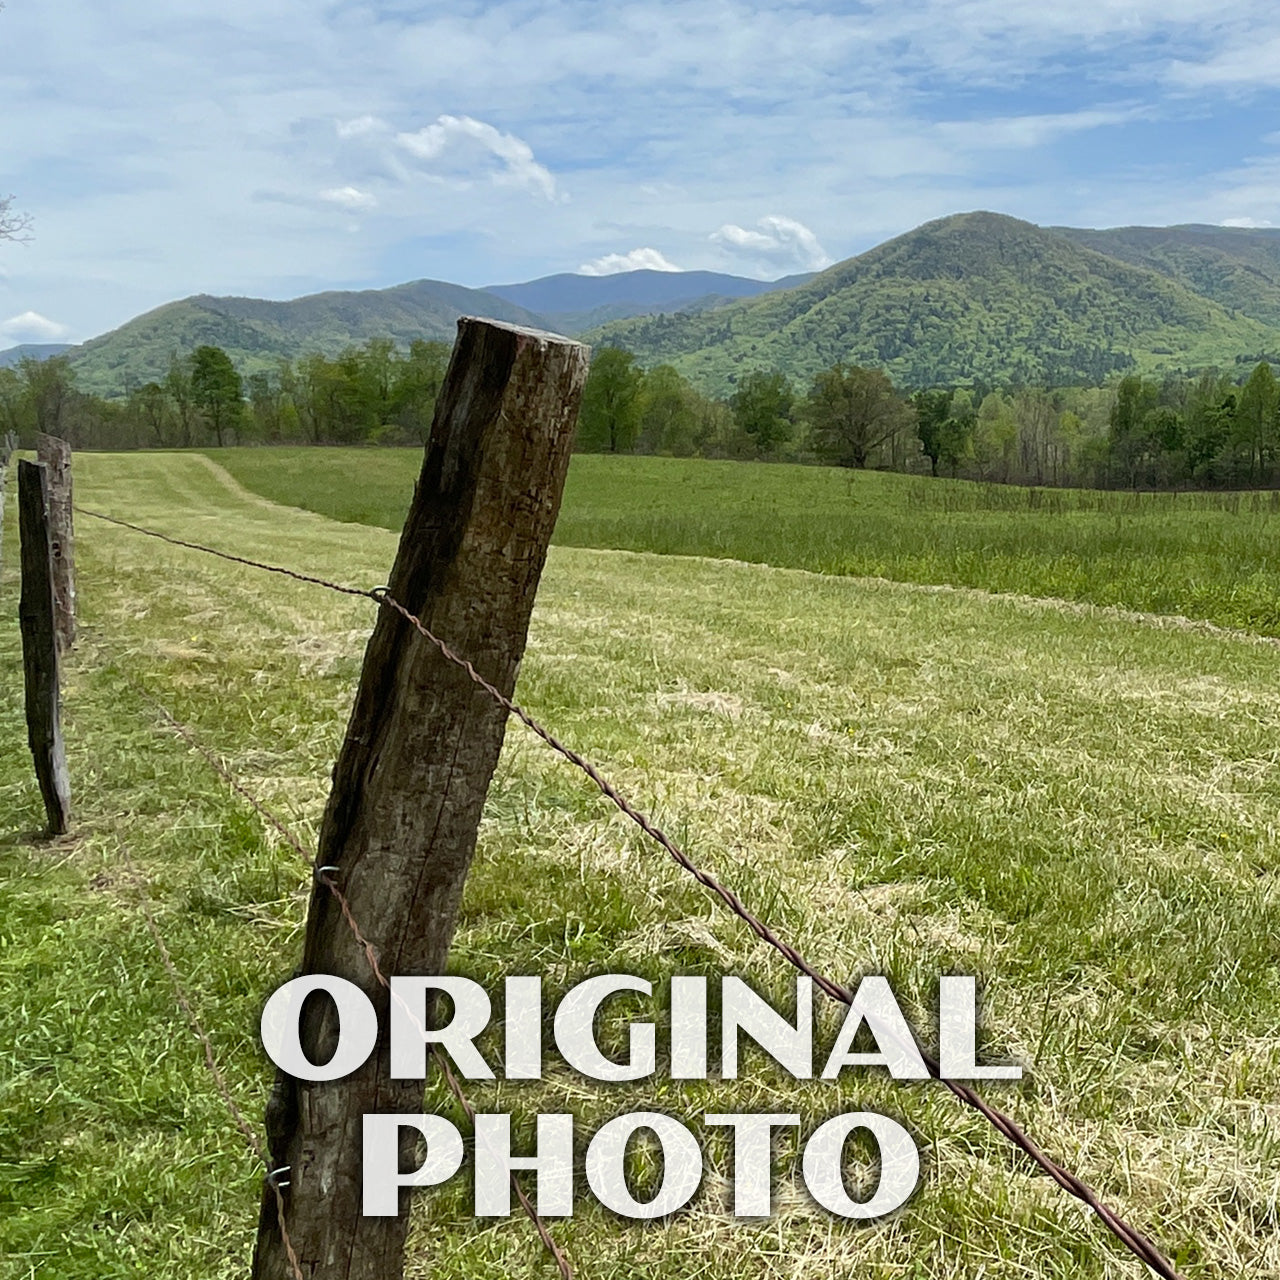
(369, 394)
(1201, 430)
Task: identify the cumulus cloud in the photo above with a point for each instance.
(637, 260)
(351, 198)
(463, 148)
(1245, 222)
(779, 242)
(31, 326)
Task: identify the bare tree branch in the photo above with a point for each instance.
(13, 225)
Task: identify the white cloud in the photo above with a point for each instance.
(192, 150)
(1245, 222)
(1020, 132)
(637, 260)
(351, 198)
(460, 147)
(362, 127)
(781, 241)
(31, 326)
(1256, 62)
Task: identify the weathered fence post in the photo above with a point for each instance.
(40, 646)
(414, 769)
(55, 453)
(8, 445)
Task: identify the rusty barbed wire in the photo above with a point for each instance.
(319, 874)
(220, 1081)
(223, 555)
(1129, 1236)
(1133, 1239)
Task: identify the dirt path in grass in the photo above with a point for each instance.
(237, 491)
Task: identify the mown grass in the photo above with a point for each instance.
(1079, 808)
(1214, 557)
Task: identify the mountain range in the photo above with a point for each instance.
(985, 296)
(573, 304)
(10, 356)
(258, 334)
(972, 296)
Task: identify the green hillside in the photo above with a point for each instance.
(973, 296)
(976, 295)
(578, 322)
(1238, 267)
(257, 333)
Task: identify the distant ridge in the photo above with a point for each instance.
(573, 303)
(258, 334)
(1238, 267)
(35, 350)
(567, 292)
(975, 296)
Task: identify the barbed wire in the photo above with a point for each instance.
(224, 555)
(371, 956)
(250, 1135)
(1133, 1240)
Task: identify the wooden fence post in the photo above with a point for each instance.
(55, 453)
(40, 646)
(414, 769)
(8, 445)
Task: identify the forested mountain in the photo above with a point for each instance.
(257, 334)
(972, 296)
(1238, 267)
(976, 296)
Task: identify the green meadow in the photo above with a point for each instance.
(1076, 804)
(1213, 557)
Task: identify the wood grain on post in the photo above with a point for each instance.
(414, 769)
(40, 647)
(55, 453)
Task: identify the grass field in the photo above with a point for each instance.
(1079, 807)
(1214, 557)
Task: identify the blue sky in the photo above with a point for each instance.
(278, 147)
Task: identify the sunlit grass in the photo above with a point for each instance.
(1079, 808)
(1211, 556)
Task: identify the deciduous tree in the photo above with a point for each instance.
(610, 414)
(1255, 428)
(50, 389)
(853, 412)
(177, 386)
(932, 408)
(995, 434)
(418, 380)
(762, 410)
(217, 390)
(668, 412)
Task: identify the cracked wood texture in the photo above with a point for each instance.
(415, 766)
(40, 667)
(55, 453)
